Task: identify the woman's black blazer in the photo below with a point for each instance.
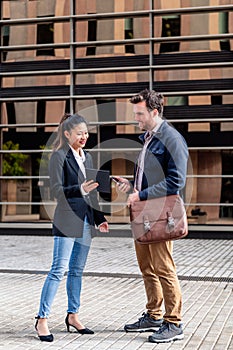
(65, 180)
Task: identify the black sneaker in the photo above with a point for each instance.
(167, 332)
(144, 324)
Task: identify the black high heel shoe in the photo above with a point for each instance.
(48, 338)
(81, 331)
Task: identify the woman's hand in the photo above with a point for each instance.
(89, 186)
(103, 227)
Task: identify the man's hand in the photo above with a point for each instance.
(133, 197)
(123, 185)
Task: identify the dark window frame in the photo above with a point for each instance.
(170, 27)
(5, 33)
(91, 36)
(129, 34)
(45, 35)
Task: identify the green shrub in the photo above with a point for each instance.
(13, 163)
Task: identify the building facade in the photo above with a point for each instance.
(91, 56)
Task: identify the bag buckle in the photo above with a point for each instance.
(170, 222)
(146, 224)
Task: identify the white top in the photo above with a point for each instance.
(80, 160)
(141, 158)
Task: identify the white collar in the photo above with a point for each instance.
(157, 126)
(77, 155)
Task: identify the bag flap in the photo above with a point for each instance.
(157, 209)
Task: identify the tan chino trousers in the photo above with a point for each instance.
(160, 280)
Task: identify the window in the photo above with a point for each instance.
(129, 34)
(170, 27)
(11, 116)
(177, 101)
(45, 35)
(216, 100)
(5, 39)
(223, 29)
(106, 109)
(227, 184)
(41, 105)
(91, 36)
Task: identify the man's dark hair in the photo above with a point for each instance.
(153, 100)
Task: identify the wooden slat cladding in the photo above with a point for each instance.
(119, 61)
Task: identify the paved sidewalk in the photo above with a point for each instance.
(113, 294)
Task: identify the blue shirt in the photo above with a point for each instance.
(165, 164)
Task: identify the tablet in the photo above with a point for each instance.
(100, 176)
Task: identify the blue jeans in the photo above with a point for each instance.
(68, 253)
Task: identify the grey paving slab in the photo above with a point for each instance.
(193, 257)
(113, 294)
(107, 304)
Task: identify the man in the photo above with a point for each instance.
(160, 171)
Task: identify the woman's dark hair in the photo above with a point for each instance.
(68, 122)
(153, 100)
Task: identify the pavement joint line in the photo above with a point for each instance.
(123, 275)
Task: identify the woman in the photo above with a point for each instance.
(77, 213)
